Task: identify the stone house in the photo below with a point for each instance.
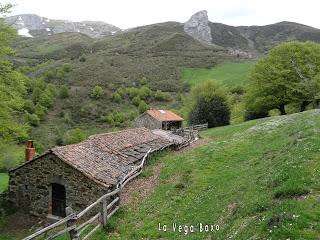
(158, 119)
(78, 174)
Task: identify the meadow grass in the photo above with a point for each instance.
(256, 180)
(3, 181)
(230, 74)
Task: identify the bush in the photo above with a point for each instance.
(144, 92)
(67, 67)
(214, 111)
(33, 119)
(41, 111)
(29, 106)
(136, 101)
(143, 106)
(122, 92)
(74, 136)
(133, 92)
(60, 73)
(83, 58)
(52, 89)
(143, 81)
(162, 96)
(64, 92)
(96, 92)
(251, 115)
(46, 99)
(116, 97)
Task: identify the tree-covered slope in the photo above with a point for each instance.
(256, 180)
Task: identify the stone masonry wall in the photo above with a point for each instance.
(30, 186)
(145, 120)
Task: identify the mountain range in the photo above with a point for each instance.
(248, 41)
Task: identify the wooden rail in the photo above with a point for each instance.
(108, 205)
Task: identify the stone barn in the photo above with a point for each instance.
(158, 119)
(78, 174)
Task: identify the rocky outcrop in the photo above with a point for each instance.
(198, 27)
(30, 25)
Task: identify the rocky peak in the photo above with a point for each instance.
(198, 27)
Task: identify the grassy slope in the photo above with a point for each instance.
(231, 74)
(3, 181)
(258, 179)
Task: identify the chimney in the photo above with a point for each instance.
(30, 150)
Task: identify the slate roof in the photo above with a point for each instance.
(164, 115)
(107, 158)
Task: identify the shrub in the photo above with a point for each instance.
(143, 106)
(67, 67)
(144, 92)
(41, 111)
(96, 92)
(116, 97)
(162, 96)
(133, 92)
(251, 115)
(136, 101)
(74, 136)
(214, 111)
(60, 73)
(83, 58)
(29, 106)
(52, 89)
(122, 92)
(33, 119)
(46, 99)
(143, 81)
(64, 92)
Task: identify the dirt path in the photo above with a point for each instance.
(140, 188)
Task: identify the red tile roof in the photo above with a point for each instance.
(107, 158)
(164, 115)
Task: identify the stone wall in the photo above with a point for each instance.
(145, 120)
(30, 186)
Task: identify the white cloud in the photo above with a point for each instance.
(128, 13)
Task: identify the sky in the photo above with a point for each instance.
(132, 13)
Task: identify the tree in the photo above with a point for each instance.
(136, 101)
(208, 102)
(288, 74)
(116, 97)
(96, 92)
(144, 92)
(64, 92)
(162, 96)
(12, 86)
(143, 106)
(74, 136)
(67, 67)
(214, 111)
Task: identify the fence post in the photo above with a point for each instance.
(71, 222)
(103, 211)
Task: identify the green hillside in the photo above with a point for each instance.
(3, 181)
(231, 74)
(269, 191)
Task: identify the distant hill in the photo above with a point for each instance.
(31, 25)
(250, 41)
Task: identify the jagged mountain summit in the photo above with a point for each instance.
(31, 25)
(247, 40)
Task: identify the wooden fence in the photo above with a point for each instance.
(198, 127)
(108, 205)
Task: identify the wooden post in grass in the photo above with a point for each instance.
(70, 223)
(103, 212)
